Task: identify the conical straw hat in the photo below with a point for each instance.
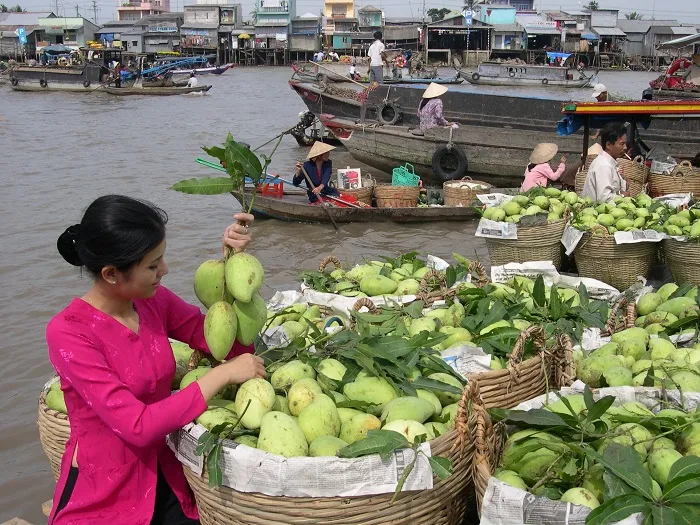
(543, 153)
(434, 90)
(319, 148)
(595, 149)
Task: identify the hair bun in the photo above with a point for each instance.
(67, 245)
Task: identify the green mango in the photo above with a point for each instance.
(209, 283)
(320, 418)
(254, 399)
(326, 446)
(411, 408)
(244, 276)
(56, 401)
(280, 434)
(289, 373)
(251, 317)
(408, 428)
(357, 427)
(220, 326)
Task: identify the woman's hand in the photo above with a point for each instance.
(298, 167)
(563, 159)
(237, 236)
(244, 367)
(318, 189)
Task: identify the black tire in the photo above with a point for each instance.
(511, 74)
(449, 164)
(389, 114)
(43, 83)
(14, 81)
(86, 84)
(476, 76)
(545, 81)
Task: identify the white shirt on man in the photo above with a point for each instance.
(603, 181)
(192, 82)
(375, 53)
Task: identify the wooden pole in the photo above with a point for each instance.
(320, 198)
(586, 138)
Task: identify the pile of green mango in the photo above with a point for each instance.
(683, 222)
(621, 214)
(375, 278)
(236, 310)
(295, 414)
(551, 201)
(54, 398)
(660, 440)
(643, 355)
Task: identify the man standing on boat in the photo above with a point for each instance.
(604, 180)
(377, 57)
(192, 82)
(319, 169)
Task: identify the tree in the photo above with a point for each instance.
(592, 6)
(17, 9)
(437, 14)
(3, 8)
(634, 16)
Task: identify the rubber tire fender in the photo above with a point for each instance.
(476, 76)
(386, 120)
(511, 74)
(462, 163)
(14, 81)
(545, 81)
(86, 84)
(43, 83)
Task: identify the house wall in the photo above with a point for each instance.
(371, 19)
(201, 15)
(603, 18)
(497, 16)
(304, 42)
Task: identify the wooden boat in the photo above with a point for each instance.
(457, 79)
(296, 208)
(214, 70)
(499, 74)
(499, 118)
(156, 91)
(676, 94)
(165, 83)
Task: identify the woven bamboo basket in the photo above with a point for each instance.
(54, 431)
(619, 265)
(363, 195)
(683, 257)
(683, 179)
(446, 503)
(580, 180)
(523, 380)
(636, 172)
(622, 315)
(459, 193)
(389, 196)
(534, 243)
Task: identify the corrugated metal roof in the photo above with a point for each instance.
(642, 26)
(683, 30)
(681, 42)
(369, 9)
(24, 19)
(608, 31)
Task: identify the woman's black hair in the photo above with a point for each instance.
(115, 230)
(531, 166)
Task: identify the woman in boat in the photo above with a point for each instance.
(430, 108)
(319, 168)
(111, 351)
(538, 171)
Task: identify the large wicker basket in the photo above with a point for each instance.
(461, 192)
(683, 257)
(683, 179)
(446, 503)
(534, 243)
(54, 431)
(580, 180)
(363, 195)
(636, 172)
(619, 265)
(389, 196)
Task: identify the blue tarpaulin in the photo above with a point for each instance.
(589, 36)
(570, 124)
(553, 55)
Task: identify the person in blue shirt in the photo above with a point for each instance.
(319, 168)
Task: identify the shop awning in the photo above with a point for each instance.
(244, 35)
(681, 42)
(589, 36)
(609, 31)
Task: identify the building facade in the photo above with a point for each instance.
(305, 34)
(272, 23)
(135, 9)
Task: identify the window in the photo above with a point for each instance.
(134, 43)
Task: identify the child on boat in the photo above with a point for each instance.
(539, 172)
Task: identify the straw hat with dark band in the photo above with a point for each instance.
(434, 90)
(543, 153)
(319, 148)
(595, 149)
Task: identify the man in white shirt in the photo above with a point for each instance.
(604, 180)
(377, 58)
(192, 82)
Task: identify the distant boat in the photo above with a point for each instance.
(155, 91)
(503, 74)
(214, 70)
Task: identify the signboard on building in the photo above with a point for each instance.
(468, 17)
(163, 27)
(540, 24)
(21, 35)
(195, 32)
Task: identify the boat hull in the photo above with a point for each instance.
(497, 118)
(674, 94)
(82, 79)
(297, 209)
(507, 81)
(204, 70)
(156, 91)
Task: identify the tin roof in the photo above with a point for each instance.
(608, 31)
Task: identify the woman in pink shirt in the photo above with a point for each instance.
(111, 350)
(539, 172)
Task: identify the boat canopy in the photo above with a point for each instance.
(589, 36)
(553, 55)
(682, 42)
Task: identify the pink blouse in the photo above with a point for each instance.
(540, 175)
(117, 391)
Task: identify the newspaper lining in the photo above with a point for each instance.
(247, 469)
(467, 359)
(675, 199)
(506, 505)
(637, 236)
(570, 238)
(490, 200)
(496, 230)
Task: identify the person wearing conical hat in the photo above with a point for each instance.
(319, 168)
(430, 108)
(538, 171)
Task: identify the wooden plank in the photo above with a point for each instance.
(46, 507)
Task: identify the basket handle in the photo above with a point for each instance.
(328, 260)
(685, 164)
(432, 274)
(367, 303)
(534, 332)
(482, 278)
(564, 370)
(611, 326)
(196, 357)
(412, 171)
(468, 179)
(638, 159)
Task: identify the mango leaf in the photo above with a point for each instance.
(404, 476)
(539, 295)
(625, 463)
(426, 383)
(415, 310)
(213, 467)
(588, 398)
(683, 489)
(649, 378)
(206, 186)
(408, 388)
(382, 442)
(243, 158)
(536, 418)
(616, 509)
(590, 319)
(216, 152)
(358, 405)
(571, 468)
(685, 514)
(684, 467)
(681, 290)
(450, 276)
(614, 486)
(205, 443)
(583, 296)
(412, 359)
(599, 408)
(442, 467)
(662, 515)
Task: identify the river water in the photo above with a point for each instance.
(61, 151)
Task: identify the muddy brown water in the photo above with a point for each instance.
(61, 151)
